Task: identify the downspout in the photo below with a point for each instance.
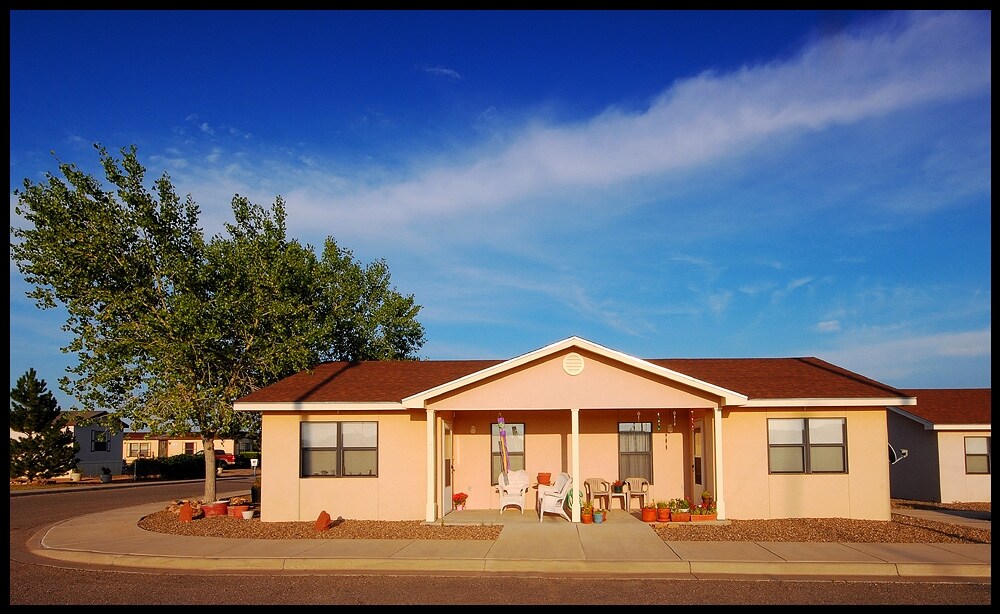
(430, 513)
(575, 461)
(720, 501)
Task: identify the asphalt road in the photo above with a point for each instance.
(38, 581)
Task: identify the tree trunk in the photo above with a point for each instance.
(209, 446)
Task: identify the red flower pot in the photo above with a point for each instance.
(215, 509)
(680, 516)
(703, 517)
(649, 514)
(663, 514)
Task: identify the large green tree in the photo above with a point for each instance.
(170, 327)
(45, 448)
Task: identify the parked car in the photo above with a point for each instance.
(223, 459)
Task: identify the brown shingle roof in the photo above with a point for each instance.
(392, 381)
(952, 405)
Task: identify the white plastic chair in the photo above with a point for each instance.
(637, 487)
(552, 499)
(512, 488)
(597, 489)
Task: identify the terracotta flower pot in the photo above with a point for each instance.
(680, 516)
(544, 478)
(215, 509)
(649, 514)
(236, 511)
(703, 517)
(663, 514)
(587, 518)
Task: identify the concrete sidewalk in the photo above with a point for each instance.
(622, 546)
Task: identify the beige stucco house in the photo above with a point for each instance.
(393, 440)
(948, 441)
(141, 444)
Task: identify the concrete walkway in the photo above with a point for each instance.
(622, 546)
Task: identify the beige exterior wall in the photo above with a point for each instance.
(750, 492)
(540, 396)
(956, 484)
(397, 493)
(174, 447)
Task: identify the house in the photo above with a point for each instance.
(99, 445)
(142, 444)
(393, 440)
(947, 438)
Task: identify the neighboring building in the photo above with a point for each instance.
(146, 445)
(99, 446)
(947, 436)
(392, 440)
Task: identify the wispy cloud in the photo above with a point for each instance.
(441, 71)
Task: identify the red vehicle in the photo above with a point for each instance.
(223, 459)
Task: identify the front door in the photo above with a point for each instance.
(698, 477)
(447, 469)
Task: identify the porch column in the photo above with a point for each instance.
(720, 501)
(430, 513)
(575, 463)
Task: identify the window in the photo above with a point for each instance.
(978, 451)
(515, 449)
(807, 445)
(339, 449)
(189, 448)
(138, 450)
(98, 441)
(635, 450)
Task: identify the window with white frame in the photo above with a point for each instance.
(138, 450)
(514, 436)
(978, 455)
(189, 448)
(807, 445)
(635, 450)
(339, 449)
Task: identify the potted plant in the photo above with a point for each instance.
(649, 511)
(663, 510)
(255, 492)
(587, 512)
(105, 474)
(617, 486)
(599, 515)
(703, 512)
(706, 497)
(680, 510)
(458, 500)
(75, 475)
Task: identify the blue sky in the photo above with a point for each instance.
(666, 184)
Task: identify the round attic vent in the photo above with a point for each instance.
(573, 363)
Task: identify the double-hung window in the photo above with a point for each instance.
(978, 455)
(514, 439)
(635, 450)
(339, 449)
(807, 445)
(98, 440)
(138, 450)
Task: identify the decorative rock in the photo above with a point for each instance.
(186, 513)
(323, 522)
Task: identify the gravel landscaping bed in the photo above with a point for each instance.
(901, 529)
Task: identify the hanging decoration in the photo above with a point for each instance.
(658, 427)
(504, 455)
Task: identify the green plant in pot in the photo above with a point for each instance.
(255, 491)
(105, 474)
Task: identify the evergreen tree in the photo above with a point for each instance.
(47, 448)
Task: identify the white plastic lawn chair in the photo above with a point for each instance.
(513, 486)
(552, 499)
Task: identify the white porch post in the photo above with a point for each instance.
(577, 484)
(720, 501)
(430, 513)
